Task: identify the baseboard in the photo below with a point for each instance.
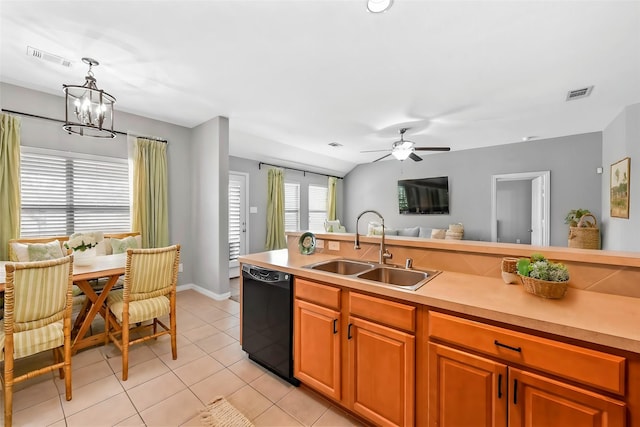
(203, 291)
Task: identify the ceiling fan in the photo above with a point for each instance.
(403, 148)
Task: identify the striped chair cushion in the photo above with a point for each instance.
(37, 303)
(151, 272)
(34, 341)
(139, 311)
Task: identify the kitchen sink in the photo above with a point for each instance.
(380, 274)
(403, 278)
(344, 267)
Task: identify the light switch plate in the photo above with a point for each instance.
(334, 246)
(253, 209)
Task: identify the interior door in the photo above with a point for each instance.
(237, 220)
(537, 214)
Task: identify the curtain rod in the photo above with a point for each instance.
(35, 116)
(299, 170)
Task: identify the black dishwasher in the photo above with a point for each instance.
(267, 319)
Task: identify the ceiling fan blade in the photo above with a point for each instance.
(383, 157)
(432, 148)
(374, 151)
(415, 157)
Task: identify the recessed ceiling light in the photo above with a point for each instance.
(379, 6)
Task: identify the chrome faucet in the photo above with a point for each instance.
(384, 253)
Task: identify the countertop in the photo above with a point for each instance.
(604, 319)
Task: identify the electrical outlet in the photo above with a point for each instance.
(180, 268)
(334, 246)
(319, 243)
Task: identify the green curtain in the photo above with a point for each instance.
(150, 214)
(331, 198)
(275, 210)
(9, 182)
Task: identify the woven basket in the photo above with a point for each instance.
(544, 288)
(509, 265)
(585, 237)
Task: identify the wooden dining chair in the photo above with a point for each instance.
(37, 317)
(149, 293)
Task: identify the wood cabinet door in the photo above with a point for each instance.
(316, 347)
(465, 390)
(536, 401)
(381, 382)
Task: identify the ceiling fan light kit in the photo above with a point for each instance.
(403, 149)
(88, 110)
(379, 6)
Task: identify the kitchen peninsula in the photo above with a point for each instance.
(385, 351)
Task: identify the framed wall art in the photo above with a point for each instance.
(619, 188)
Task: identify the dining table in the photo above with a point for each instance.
(107, 268)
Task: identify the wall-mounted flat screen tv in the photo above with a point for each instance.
(424, 196)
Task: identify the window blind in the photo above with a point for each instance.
(291, 206)
(234, 219)
(317, 207)
(63, 193)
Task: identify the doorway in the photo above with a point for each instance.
(520, 208)
(238, 234)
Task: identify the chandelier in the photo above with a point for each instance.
(88, 110)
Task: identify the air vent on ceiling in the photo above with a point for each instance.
(335, 144)
(45, 56)
(579, 93)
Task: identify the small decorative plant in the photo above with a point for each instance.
(538, 267)
(573, 217)
(81, 243)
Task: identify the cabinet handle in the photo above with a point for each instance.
(499, 344)
(515, 392)
(499, 386)
(335, 326)
(349, 331)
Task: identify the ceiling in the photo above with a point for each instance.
(294, 76)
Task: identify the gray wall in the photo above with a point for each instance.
(572, 161)
(257, 186)
(210, 204)
(619, 140)
(48, 134)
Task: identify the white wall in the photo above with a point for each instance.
(619, 140)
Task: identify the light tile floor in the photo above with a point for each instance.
(165, 392)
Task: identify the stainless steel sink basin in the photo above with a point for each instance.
(344, 267)
(380, 274)
(403, 278)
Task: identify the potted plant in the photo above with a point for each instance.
(84, 248)
(542, 277)
(574, 216)
(583, 229)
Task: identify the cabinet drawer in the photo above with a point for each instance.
(390, 313)
(587, 366)
(327, 296)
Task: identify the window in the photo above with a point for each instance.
(63, 193)
(317, 207)
(235, 218)
(291, 206)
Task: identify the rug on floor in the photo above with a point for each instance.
(220, 413)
